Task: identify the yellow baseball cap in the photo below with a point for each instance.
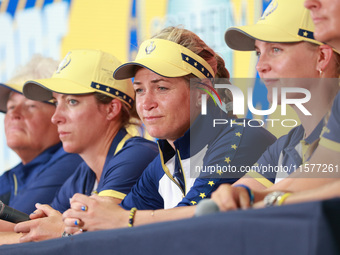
(83, 72)
(167, 59)
(5, 90)
(283, 21)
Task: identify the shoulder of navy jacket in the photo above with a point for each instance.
(120, 135)
(206, 121)
(215, 112)
(53, 149)
(60, 151)
(123, 132)
(295, 135)
(116, 140)
(183, 141)
(316, 132)
(204, 127)
(183, 144)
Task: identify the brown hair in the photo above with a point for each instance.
(128, 116)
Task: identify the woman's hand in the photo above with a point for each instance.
(46, 223)
(94, 213)
(229, 197)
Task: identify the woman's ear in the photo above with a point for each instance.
(113, 109)
(325, 56)
(202, 87)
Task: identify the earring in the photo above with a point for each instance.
(320, 72)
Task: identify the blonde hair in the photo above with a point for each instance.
(38, 67)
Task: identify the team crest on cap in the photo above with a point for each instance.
(150, 48)
(270, 9)
(65, 62)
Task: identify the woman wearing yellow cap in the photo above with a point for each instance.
(325, 15)
(288, 56)
(44, 165)
(172, 72)
(93, 112)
